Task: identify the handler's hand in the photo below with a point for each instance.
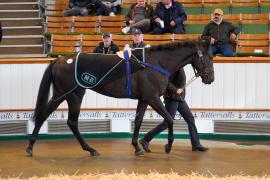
(179, 91)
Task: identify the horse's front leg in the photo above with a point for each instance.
(141, 107)
(159, 108)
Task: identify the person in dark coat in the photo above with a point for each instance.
(175, 101)
(78, 8)
(110, 9)
(220, 33)
(106, 46)
(81, 8)
(169, 16)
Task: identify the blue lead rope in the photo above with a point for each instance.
(128, 74)
(156, 68)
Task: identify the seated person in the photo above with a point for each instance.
(109, 7)
(137, 37)
(140, 16)
(220, 33)
(169, 16)
(106, 46)
(78, 8)
(81, 8)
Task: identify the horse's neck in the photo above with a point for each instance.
(171, 60)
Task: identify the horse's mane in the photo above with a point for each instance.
(176, 44)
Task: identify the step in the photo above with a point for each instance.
(20, 40)
(35, 31)
(21, 27)
(23, 56)
(21, 21)
(19, 11)
(25, 14)
(9, 1)
(23, 37)
(17, 6)
(21, 46)
(21, 50)
(17, 3)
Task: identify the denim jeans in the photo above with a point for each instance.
(224, 49)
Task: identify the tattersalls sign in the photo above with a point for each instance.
(150, 114)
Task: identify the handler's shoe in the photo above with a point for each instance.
(145, 145)
(199, 147)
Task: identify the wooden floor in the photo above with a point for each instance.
(66, 156)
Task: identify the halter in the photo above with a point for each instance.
(201, 60)
(197, 74)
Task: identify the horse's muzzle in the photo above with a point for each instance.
(208, 78)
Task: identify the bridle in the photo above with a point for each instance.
(196, 72)
(201, 60)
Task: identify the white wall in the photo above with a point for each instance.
(237, 85)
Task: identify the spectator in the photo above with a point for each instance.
(106, 46)
(111, 7)
(78, 8)
(1, 32)
(140, 16)
(81, 8)
(175, 101)
(220, 33)
(169, 16)
(137, 37)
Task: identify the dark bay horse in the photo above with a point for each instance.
(147, 86)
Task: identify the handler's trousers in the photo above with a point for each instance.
(172, 106)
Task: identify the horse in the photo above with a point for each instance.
(147, 86)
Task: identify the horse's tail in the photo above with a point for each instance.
(43, 94)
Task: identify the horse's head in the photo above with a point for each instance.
(202, 62)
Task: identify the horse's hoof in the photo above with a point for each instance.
(29, 152)
(168, 148)
(94, 153)
(145, 145)
(139, 153)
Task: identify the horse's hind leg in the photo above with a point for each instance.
(74, 104)
(159, 108)
(141, 107)
(50, 107)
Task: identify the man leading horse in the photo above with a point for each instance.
(148, 84)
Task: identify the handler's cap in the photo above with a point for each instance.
(106, 34)
(136, 31)
(218, 11)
